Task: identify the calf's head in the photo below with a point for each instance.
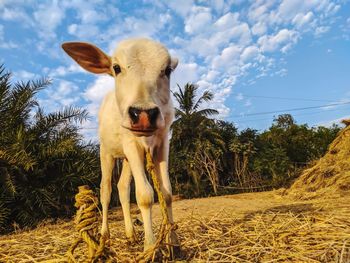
(141, 69)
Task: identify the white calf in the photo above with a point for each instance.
(133, 118)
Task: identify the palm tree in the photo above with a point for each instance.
(42, 156)
(195, 140)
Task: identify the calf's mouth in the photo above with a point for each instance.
(142, 132)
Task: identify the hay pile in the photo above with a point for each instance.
(330, 176)
(307, 231)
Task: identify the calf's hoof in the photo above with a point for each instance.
(132, 239)
(174, 247)
(149, 244)
(105, 236)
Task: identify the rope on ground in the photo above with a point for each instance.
(86, 223)
(167, 245)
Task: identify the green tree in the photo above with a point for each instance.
(229, 134)
(42, 156)
(196, 144)
(286, 148)
(322, 137)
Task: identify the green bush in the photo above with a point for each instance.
(43, 158)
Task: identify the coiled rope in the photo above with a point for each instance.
(86, 223)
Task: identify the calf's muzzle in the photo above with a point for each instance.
(143, 121)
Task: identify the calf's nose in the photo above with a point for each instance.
(143, 118)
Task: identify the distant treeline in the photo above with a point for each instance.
(43, 157)
(210, 156)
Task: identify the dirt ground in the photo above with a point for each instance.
(51, 240)
(238, 205)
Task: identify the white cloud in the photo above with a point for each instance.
(181, 7)
(288, 9)
(3, 42)
(239, 97)
(199, 18)
(259, 10)
(65, 93)
(24, 75)
(83, 31)
(249, 53)
(282, 72)
(248, 103)
(229, 29)
(259, 28)
(94, 95)
(227, 21)
(301, 20)
(218, 5)
(185, 72)
(330, 123)
(211, 75)
(88, 15)
(283, 40)
(101, 86)
(48, 17)
(321, 30)
(229, 57)
(89, 129)
(65, 88)
(148, 26)
(95, 92)
(62, 71)
(16, 14)
(299, 13)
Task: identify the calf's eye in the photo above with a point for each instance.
(168, 71)
(117, 69)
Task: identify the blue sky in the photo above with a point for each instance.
(255, 56)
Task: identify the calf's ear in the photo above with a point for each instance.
(173, 63)
(89, 57)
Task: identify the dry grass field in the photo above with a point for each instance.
(310, 222)
(254, 227)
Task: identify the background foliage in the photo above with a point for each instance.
(209, 156)
(43, 157)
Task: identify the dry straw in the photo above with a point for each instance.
(301, 232)
(329, 176)
(313, 228)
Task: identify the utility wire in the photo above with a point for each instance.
(287, 110)
(283, 98)
(242, 120)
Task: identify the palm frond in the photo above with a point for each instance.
(207, 96)
(207, 112)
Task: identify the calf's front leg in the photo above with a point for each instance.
(144, 192)
(161, 156)
(107, 165)
(161, 165)
(124, 197)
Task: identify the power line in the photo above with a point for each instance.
(283, 98)
(242, 120)
(287, 110)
